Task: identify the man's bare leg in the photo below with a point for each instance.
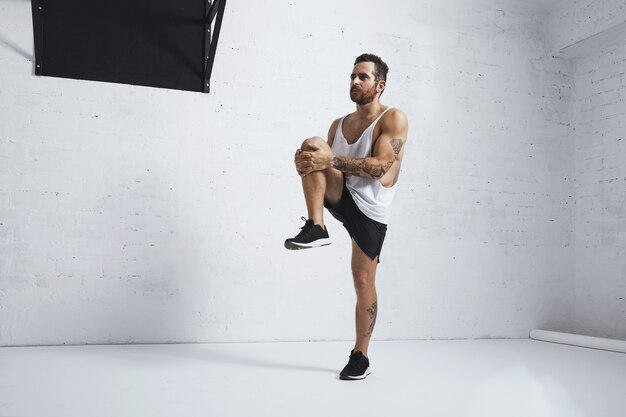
(318, 185)
(364, 275)
(314, 188)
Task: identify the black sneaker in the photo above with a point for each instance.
(310, 236)
(358, 367)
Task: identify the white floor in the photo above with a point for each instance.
(481, 378)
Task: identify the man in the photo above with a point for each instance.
(353, 174)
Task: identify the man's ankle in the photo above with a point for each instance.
(364, 352)
(318, 222)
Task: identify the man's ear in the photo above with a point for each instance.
(381, 86)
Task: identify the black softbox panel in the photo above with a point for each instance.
(156, 43)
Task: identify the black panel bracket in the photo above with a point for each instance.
(213, 11)
(37, 8)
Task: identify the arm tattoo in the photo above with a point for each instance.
(373, 312)
(359, 166)
(356, 166)
(396, 144)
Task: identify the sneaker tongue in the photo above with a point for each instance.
(307, 223)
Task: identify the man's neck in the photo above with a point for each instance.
(369, 110)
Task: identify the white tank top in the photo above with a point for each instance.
(370, 196)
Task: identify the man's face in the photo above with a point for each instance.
(363, 87)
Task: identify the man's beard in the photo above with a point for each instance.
(363, 97)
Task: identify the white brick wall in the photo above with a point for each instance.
(591, 37)
(132, 214)
(599, 118)
(573, 21)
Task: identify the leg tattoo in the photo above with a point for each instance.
(373, 312)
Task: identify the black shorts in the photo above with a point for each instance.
(368, 234)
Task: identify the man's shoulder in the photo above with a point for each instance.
(332, 130)
(335, 124)
(395, 114)
(337, 120)
(394, 118)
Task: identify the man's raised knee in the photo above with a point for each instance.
(313, 143)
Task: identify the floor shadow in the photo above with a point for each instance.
(207, 353)
(250, 361)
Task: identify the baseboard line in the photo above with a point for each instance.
(591, 342)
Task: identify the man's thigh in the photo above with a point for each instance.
(362, 264)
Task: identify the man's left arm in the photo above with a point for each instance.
(387, 149)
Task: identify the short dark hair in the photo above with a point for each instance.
(380, 68)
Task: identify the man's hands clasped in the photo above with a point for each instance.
(316, 159)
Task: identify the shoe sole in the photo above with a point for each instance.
(356, 378)
(297, 246)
